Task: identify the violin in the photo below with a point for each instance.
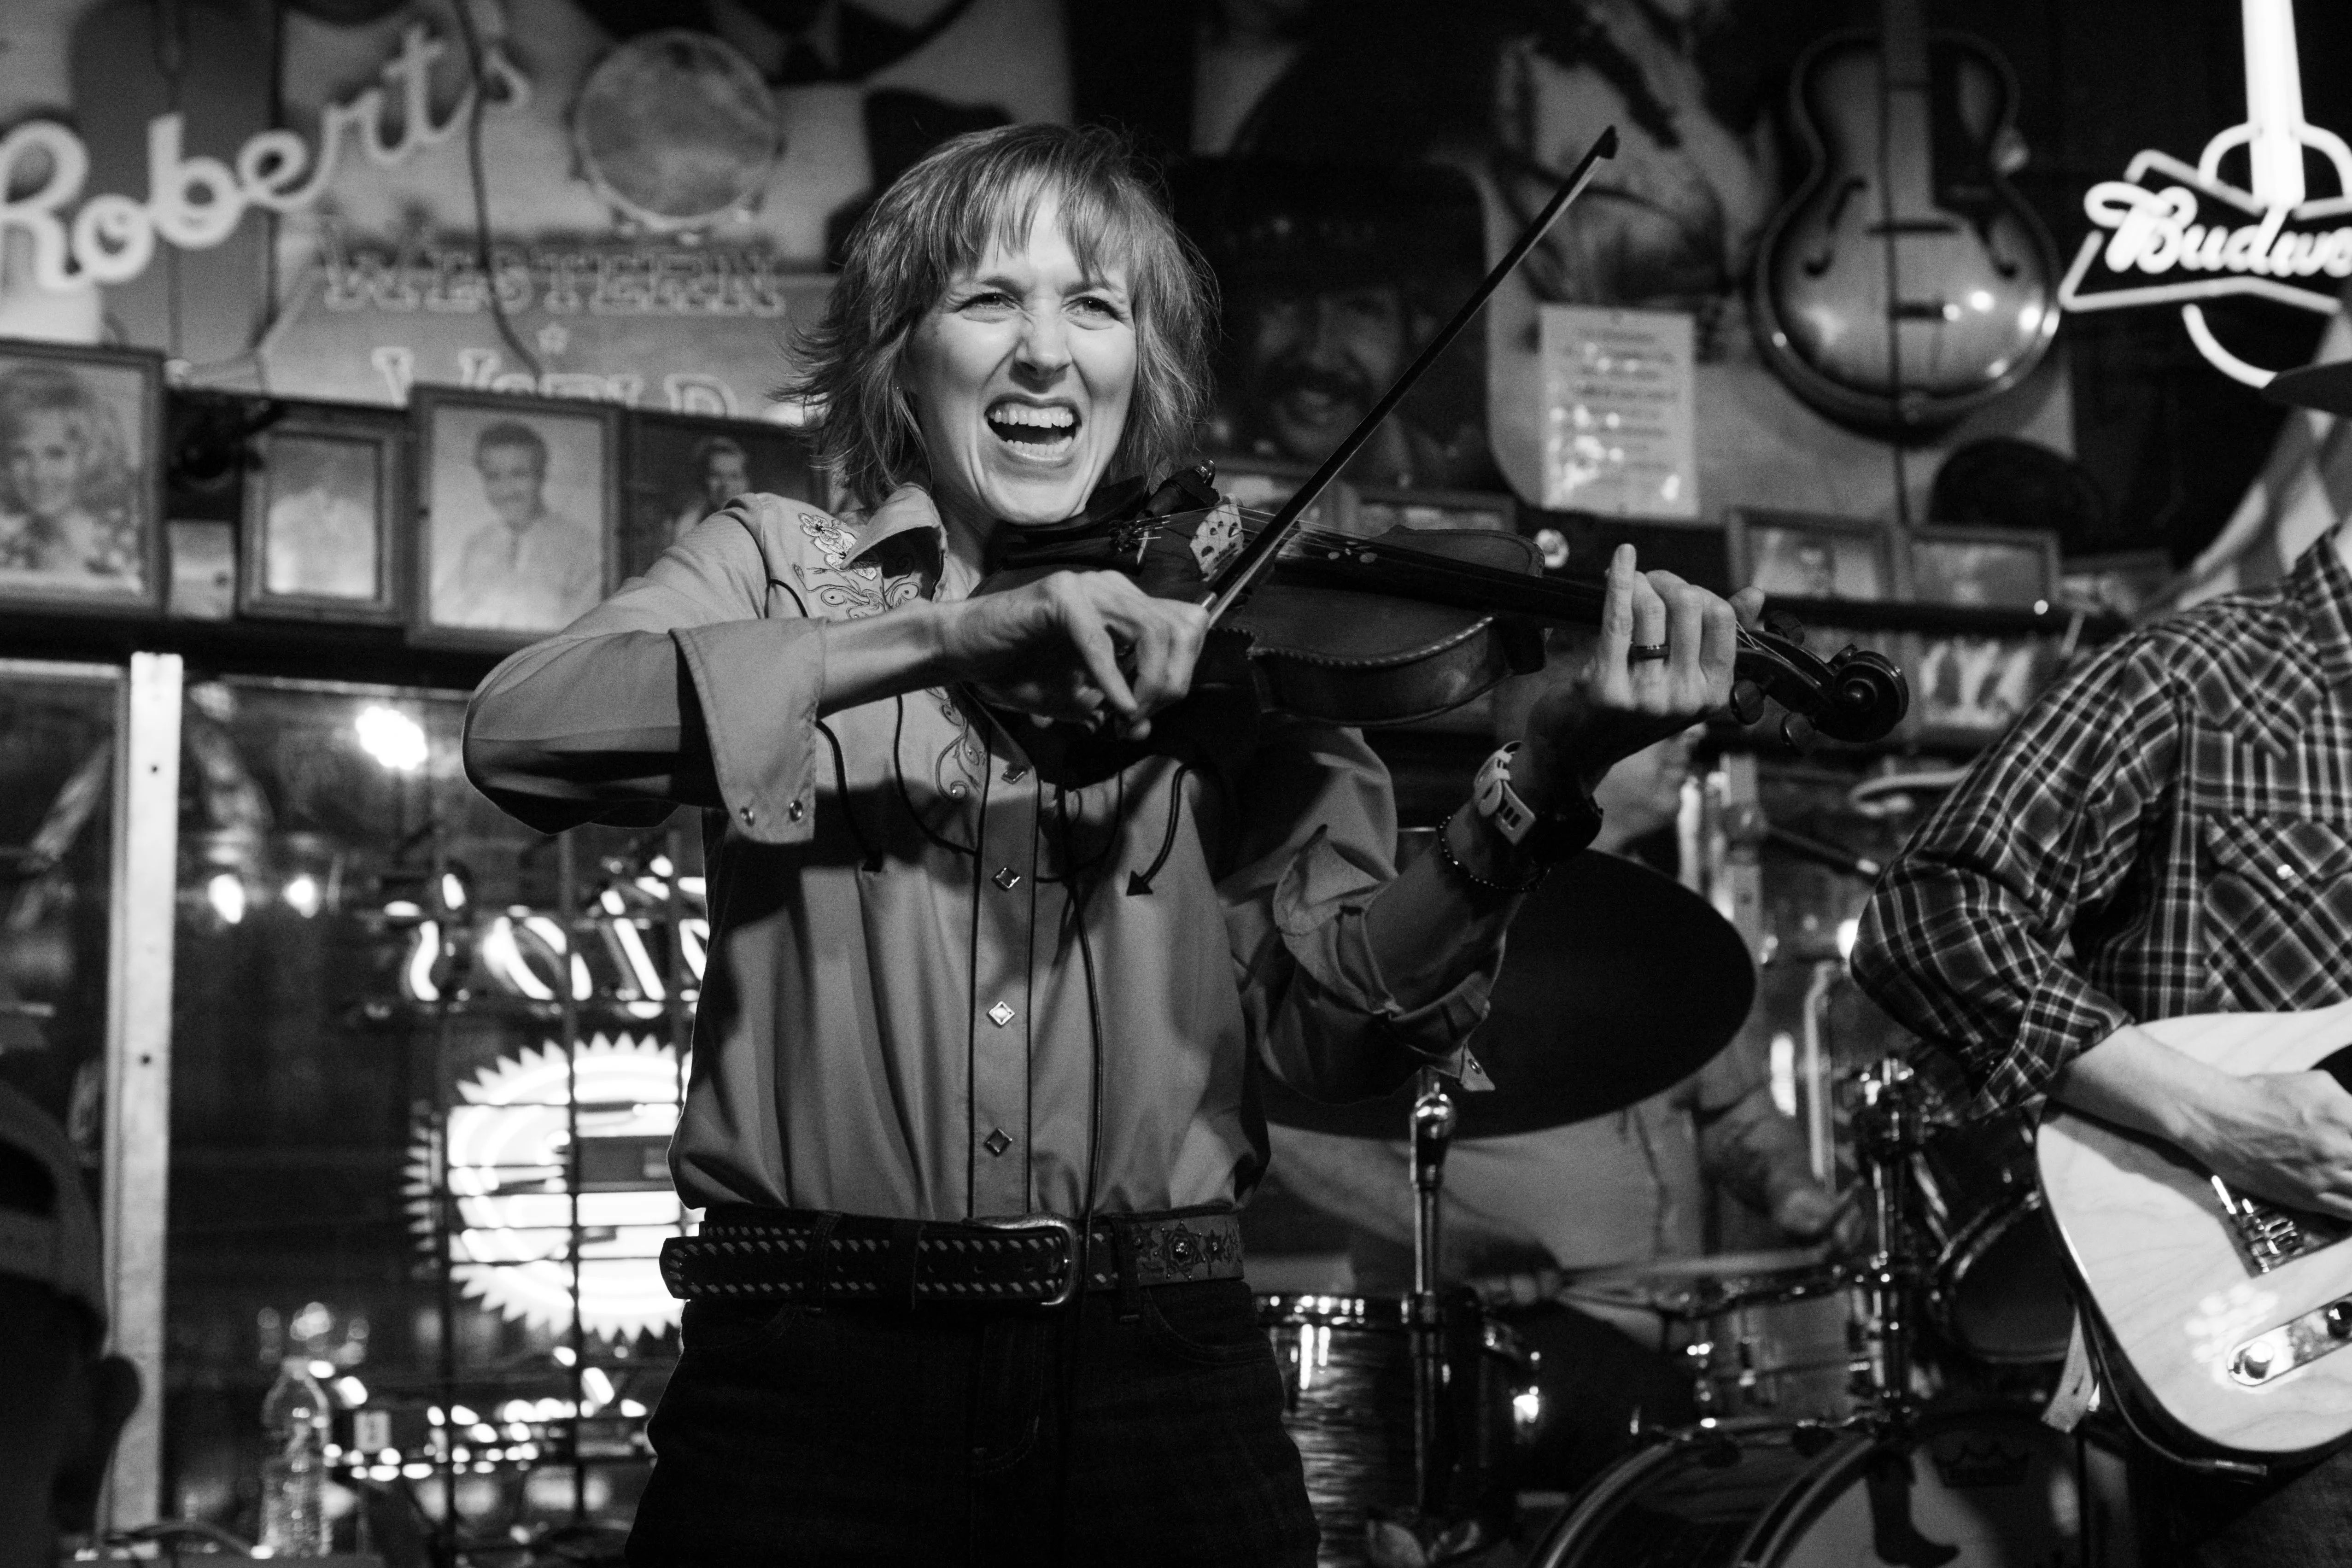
(1367, 631)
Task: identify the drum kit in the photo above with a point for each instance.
(1863, 1410)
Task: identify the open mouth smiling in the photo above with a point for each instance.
(1038, 432)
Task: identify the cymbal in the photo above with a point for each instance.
(1711, 1265)
(1616, 983)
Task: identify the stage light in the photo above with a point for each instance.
(302, 895)
(392, 738)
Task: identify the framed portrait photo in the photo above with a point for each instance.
(81, 486)
(518, 530)
(1802, 555)
(325, 498)
(2002, 567)
(1967, 689)
(680, 469)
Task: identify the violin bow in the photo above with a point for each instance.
(1242, 573)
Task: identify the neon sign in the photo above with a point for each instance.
(2169, 234)
(195, 203)
(510, 1160)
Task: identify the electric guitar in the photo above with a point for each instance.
(2230, 1310)
(1907, 282)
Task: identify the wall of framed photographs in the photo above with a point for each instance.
(472, 522)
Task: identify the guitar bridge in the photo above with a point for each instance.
(2269, 1235)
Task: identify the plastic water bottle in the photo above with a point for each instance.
(294, 1465)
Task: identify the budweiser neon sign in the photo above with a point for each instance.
(2167, 234)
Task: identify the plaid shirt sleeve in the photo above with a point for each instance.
(1965, 940)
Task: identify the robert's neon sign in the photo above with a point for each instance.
(195, 203)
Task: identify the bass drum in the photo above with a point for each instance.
(1985, 1490)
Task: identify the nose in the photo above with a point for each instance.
(1329, 343)
(1044, 351)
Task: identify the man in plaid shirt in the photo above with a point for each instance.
(2168, 831)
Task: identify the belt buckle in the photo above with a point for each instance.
(1060, 1226)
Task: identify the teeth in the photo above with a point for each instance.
(1043, 418)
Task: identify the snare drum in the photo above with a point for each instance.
(2000, 1287)
(1346, 1366)
(1987, 1489)
(1785, 1346)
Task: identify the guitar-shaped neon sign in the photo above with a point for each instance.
(2169, 234)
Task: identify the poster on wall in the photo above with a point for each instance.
(1619, 435)
(664, 197)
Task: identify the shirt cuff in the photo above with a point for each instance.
(1335, 953)
(759, 682)
(2064, 1017)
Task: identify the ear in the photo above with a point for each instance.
(107, 1394)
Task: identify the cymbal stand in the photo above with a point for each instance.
(1889, 1127)
(1433, 1120)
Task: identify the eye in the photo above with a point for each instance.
(1098, 306)
(987, 300)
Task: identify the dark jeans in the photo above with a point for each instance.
(847, 1435)
(2301, 1518)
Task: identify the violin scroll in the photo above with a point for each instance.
(1856, 695)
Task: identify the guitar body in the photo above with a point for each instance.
(2171, 1275)
(1906, 163)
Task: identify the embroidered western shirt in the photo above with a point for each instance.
(2168, 830)
(905, 1009)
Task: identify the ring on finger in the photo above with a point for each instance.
(1643, 652)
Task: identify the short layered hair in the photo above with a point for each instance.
(939, 218)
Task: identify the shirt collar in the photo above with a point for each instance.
(2324, 588)
(908, 511)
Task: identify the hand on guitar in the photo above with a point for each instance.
(1619, 703)
(2285, 1136)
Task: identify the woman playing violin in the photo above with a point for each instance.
(974, 1076)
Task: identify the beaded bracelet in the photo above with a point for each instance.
(1445, 853)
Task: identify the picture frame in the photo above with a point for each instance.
(545, 470)
(2003, 568)
(325, 505)
(82, 479)
(680, 467)
(1966, 688)
(1378, 509)
(1810, 555)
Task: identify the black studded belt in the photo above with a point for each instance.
(750, 1254)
